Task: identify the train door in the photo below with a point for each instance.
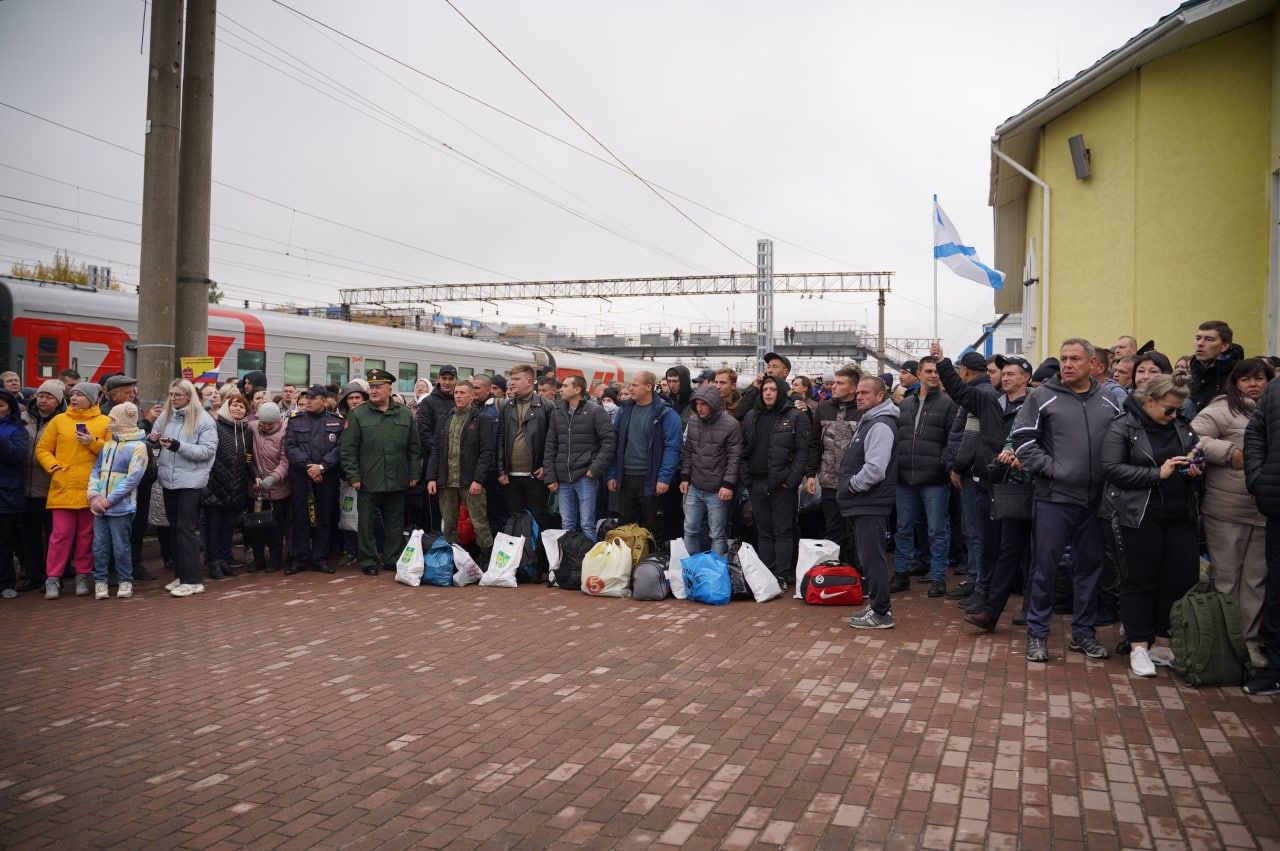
(94, 351)
(88, 358)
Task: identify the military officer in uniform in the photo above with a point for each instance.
(382, 459)
(313, 447)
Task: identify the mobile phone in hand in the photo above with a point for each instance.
(81, 428)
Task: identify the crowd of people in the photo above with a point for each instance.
(1090, 484)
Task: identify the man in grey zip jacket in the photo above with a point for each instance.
(1057, 437)
(709, 461)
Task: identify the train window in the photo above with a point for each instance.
(490, 373)
(465, 372)
(47, 357)
(408, 376)
(370, 363)
(435, 372)
(297, 369)
(335, 370)
(248, 361)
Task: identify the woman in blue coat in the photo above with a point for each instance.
(14, 441)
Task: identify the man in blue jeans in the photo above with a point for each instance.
(709, 472)
(1057, 437)
(923, 483)
(580, 447)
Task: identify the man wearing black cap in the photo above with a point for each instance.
(314, 449)
(382, 458)
(1003, 542)
(908, 380)
(959, 460)
(430, 411)
(775, 365)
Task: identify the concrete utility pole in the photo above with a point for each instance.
(195, 175)
(764, 300)
(158, 268)
(880, 340)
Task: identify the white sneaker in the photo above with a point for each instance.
(100, 591)
(174, 584)
(51, 586)
(1140, 663)
(1162, 656)
(188, 590)
(125, 590)
(82, 585)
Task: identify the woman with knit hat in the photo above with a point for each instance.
(113, 498)
(270, 484)
(67, 451)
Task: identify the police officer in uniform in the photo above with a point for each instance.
(382, 458)
(313, 446)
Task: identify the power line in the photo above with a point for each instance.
(279, 204)
(593, 138)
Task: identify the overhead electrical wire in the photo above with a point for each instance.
(528, 125)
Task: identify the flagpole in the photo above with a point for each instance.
(932, 225)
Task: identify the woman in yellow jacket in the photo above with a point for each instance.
(66, 451)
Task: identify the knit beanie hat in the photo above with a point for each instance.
(269, 412)
(53, 388)
(124, 419)
(89, 389)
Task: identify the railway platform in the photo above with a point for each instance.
(351, 712)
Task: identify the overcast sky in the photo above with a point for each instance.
(826, 124)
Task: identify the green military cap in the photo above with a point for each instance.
(379, 376)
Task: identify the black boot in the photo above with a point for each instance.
(215, 570)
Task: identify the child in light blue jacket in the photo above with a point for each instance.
(113, 489)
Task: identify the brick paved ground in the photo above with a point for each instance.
(353, 712)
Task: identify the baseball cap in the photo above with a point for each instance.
(706, 375)
(1005, 360)
(974, 361)
(315, 390)
(911, 366)
(786, 361)
(448, 369)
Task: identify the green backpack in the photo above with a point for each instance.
(1208, 644)
(637, 538)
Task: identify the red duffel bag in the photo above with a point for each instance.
(832, 584)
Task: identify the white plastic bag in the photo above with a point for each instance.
(465, 569)
(606, 569)
(503, 562)
(675, 573)
(409, 567)
(551, 544)
(764, 585)
(349, 512)
(813, 551)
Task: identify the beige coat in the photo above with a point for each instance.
(1225, 497)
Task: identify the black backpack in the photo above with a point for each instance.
(574, 547)
(523, 525)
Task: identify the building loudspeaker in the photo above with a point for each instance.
(1080, 157)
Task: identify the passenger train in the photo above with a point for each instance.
(46, 327)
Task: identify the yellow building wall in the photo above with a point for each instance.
(1172, 228)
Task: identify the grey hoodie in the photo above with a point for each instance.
(1058, 438)
(712, 446)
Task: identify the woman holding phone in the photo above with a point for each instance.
(1152, 470)
(188, 442)
(67, 449)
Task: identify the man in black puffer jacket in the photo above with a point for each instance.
(923, 483)
(431, 411)
(775, 455)
(1262, 477)
(709, 463)
(580, 447)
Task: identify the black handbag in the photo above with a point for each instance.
(1009, 500)
(259, 518)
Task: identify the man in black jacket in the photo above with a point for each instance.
(1215, 357)
(775, 366)
(923, 484)
(1262, 477)
(835, 421)
(313, 446)
(995, 418)
(580, 446)
(430, 411)
(775, 454)
(456, 472)
(709, 461)
(960, 460)
(522, 439)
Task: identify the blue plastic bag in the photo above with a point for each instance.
(437, 568)
(706, 578)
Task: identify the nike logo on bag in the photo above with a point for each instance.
(826, 595)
